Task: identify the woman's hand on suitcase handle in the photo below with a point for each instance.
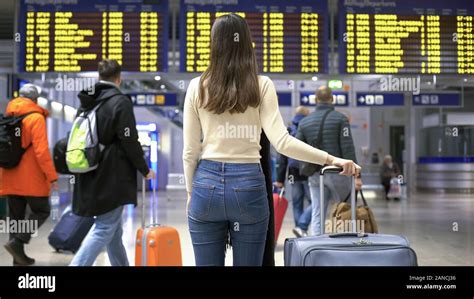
(349, 168)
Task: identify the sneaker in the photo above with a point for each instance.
(299, 232)
(15, 248)
(31, 261)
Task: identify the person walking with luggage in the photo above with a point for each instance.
(299, 183)
(388, 171)
(335, 137)
(228, 106)
(104, 191)
(29, 183)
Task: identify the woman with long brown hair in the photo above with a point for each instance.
(224, 112)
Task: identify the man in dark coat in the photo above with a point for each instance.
(104, 191)
(265, 161)
(336, 140)
(299, 183)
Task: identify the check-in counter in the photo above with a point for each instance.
(442, 175)
(446, 160)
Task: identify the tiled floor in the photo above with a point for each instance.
(439, 227)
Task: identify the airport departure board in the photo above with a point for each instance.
(288, 36)
(406, 36)
(74, 35)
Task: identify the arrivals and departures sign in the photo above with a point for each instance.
(154, 99)
(284, 99)
(406, 36)
(446, 99)
(288, 36)
(74, 35)
(380, 99)
(339, 98)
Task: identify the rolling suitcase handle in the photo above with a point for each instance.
(282, 191)
(345, 235)
(335, 169)
(153, 203)
(145, 228)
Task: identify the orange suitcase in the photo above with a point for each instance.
(156, 245)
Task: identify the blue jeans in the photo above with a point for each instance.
(107, 232)
(228, 198)
(300, 191)
(335, 187)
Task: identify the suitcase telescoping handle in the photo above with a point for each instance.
(153, 203)
(351, 235)
(282, 191)
(335, 169)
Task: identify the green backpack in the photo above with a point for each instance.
(83, 147)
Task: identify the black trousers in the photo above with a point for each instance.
(39, 207)
(265, 161)
(386, 186)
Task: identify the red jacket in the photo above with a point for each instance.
(34, 174)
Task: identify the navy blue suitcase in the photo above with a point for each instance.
(349, 248)
(70, 231)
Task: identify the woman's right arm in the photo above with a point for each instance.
(191, 134)
(274, 127)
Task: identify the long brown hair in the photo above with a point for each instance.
(231, 79)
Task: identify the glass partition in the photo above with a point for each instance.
(454, 143)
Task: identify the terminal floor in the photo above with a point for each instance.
(440, 228)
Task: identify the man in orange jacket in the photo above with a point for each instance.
(29, 183)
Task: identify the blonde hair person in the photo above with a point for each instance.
(302, 110)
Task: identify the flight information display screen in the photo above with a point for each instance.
(74, 35)
(406, 36)
(288, 36)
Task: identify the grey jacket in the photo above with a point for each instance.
(337, 135)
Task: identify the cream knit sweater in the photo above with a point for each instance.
(235, 138)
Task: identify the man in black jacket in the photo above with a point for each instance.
(104, 191)
(265, 161)
(337, 141)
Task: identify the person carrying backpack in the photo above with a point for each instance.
(105, 181)
(299, 183)
(330, 130)
(29, 180)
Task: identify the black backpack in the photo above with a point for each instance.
(10, 140)
(59, 156)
